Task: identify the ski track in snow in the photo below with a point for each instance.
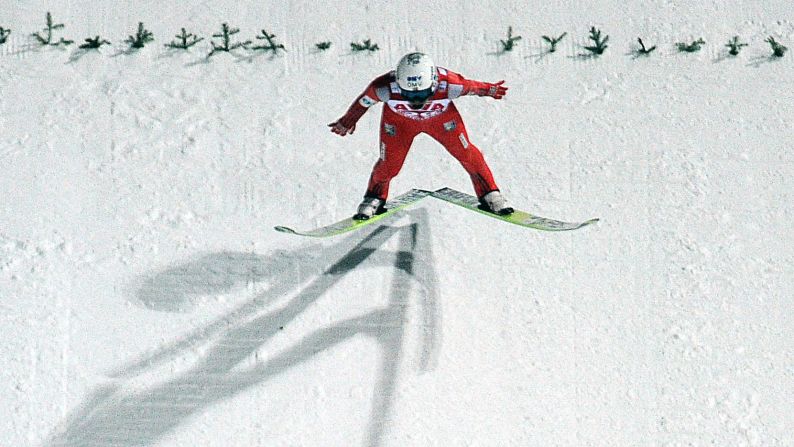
(145, 299)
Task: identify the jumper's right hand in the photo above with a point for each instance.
(340, 129)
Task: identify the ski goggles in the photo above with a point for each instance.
(417, 95)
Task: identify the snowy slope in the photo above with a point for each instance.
(146, 300)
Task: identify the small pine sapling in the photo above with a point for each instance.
(507, 45)
(364, 46)
(735, 46)
(94, 43)
(778, 50)
(322, 46)
(227, 45)
(46, 38)
(553, 41)
(271, 44)
(186, 40)
(599, 44)
(4, 35)
(643, 51)
(141, 37)
(693, 47)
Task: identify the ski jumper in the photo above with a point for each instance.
(437, 117)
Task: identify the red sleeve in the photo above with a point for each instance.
(466, 86)
(365, 100)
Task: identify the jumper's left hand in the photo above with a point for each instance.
(497, 90)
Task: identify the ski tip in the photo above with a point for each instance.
(588, 222)
(282, 229)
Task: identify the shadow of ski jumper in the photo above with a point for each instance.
(124, 414)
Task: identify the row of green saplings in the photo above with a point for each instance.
(599, 44)
(183, 41)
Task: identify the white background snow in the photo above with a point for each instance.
(146, 300)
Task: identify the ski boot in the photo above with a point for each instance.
(494, 202)
(369, 207)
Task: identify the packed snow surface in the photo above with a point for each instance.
(146, 300)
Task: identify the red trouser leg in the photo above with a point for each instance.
(396, 137)
(450, 131)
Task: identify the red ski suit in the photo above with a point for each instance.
(439, 118)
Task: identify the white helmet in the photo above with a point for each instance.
(417, 76)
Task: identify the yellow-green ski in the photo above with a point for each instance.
(518, 217)
(350, 224)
